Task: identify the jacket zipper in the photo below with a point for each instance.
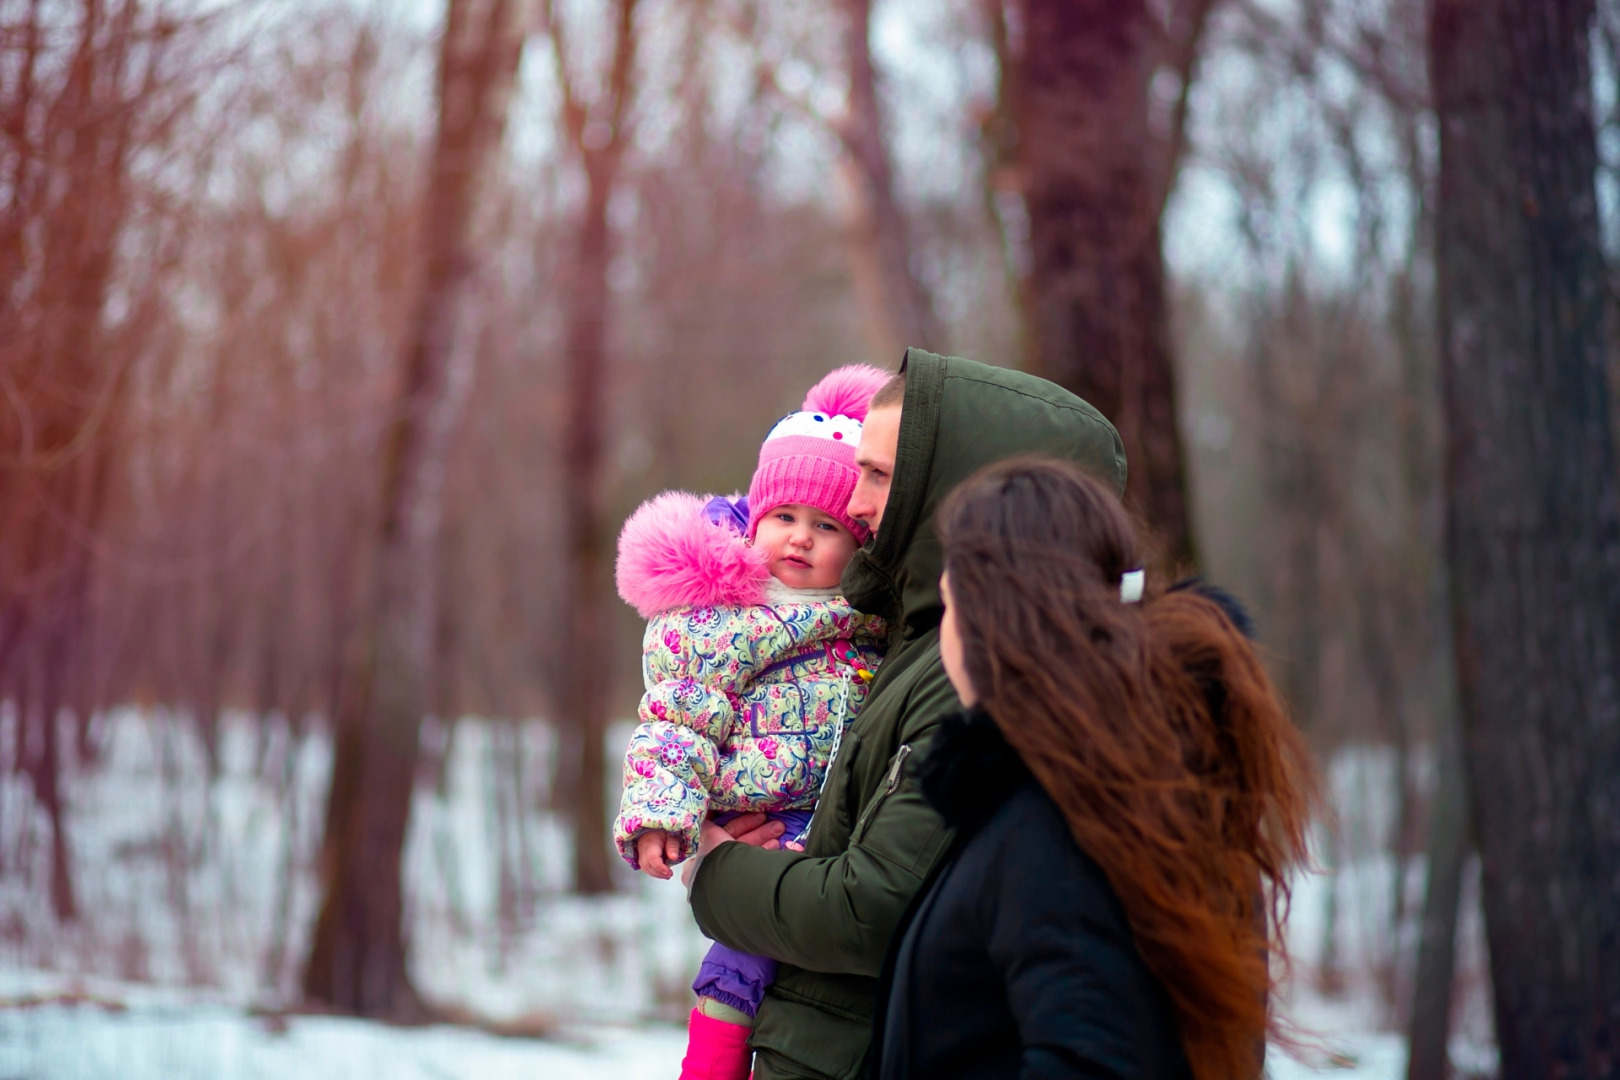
(894, 769)
(896, 764)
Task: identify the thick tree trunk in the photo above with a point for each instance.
(895, 304)
(1533, 532)
(1093, 186)
(357, 960)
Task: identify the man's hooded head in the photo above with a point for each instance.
(959, 415)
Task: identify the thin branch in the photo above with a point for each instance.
(1184, 50)
(573, 112)
(619, 85)
(576, 111)
(766, 78)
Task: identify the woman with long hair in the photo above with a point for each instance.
(1129, 797)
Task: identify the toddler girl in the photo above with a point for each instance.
(753, 664)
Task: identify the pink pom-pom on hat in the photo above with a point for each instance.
(846, 391)
(809, 456)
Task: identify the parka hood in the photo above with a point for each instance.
(958, 416)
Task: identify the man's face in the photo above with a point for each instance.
(880, 439)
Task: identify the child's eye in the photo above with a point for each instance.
(826, 526)
(785, 518)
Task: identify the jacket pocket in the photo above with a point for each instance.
(892, 780)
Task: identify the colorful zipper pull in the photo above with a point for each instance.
(846, 651)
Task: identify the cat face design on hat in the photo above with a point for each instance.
(809, 456)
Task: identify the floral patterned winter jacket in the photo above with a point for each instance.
(749, 684)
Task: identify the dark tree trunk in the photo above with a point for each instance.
(1091, 173)
(998, 153)
(48, 789)
(895, 304)
(1533, 532)
(357, 961)
(1430, 1026)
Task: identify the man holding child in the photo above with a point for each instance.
(828, 913)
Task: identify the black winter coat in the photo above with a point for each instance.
(1018, 960)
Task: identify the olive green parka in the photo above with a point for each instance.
(828, 913)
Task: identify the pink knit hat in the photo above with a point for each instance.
(809, 456)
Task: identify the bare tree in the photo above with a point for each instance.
(895, 303)
(598, 133)
(87, 90)
(1351, 593)
(1429, 1028)
(1534, 516)
(1095, 170)
(357, 959)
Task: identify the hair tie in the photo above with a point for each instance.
(1132, 584)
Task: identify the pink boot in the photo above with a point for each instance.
(715, 1050)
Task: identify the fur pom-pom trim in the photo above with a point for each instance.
(846, 391)
(671, 556)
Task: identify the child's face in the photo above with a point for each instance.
(806, 548)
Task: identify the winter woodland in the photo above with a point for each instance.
(337, 337)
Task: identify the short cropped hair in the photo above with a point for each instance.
(890, 393)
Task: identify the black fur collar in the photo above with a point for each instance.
(970, 770)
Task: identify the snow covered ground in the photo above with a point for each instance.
(101, 1031)
(198, 899)
(130, 1033)
(52, 1029)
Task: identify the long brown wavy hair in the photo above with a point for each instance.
(1154, 728)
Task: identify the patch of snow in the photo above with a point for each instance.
(202, 1041)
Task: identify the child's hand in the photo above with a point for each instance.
(656, 849)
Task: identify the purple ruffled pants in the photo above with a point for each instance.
(737, 978)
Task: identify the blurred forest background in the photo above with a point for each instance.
(338, 336)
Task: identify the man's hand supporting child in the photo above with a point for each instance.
(752, 828)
